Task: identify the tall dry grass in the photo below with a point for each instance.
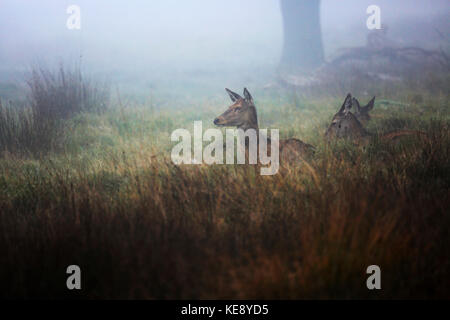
(139, 227)
(64, 92)
(143, 228)
(54, 96)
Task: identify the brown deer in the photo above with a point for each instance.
(362, 113)
(242, 114)
(345, 124)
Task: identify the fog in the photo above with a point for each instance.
(195, 37)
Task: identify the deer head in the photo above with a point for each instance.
(344, 123)
(241, 114)
(362, 113)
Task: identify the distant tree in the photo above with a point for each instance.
(302, 50)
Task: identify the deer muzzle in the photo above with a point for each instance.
(218, 121)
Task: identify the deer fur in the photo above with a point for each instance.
(242, 114)
(347, 125)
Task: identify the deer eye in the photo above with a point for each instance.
(237, 109)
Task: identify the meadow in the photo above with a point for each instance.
(87, 180)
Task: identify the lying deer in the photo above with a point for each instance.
(345, 124)
(242, 114)
(362, 113)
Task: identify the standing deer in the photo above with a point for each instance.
(242, 114)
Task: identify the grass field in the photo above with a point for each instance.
(97, 189)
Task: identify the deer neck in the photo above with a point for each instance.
(247, 126)
(251, 121)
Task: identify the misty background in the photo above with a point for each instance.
(195, 42)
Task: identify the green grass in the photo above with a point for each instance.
(110, 200)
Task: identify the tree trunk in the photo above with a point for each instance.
(303, 50)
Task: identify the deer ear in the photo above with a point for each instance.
(233, 95)
(370, 105)
(248, 96)
(355, 102)
(347, 105)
